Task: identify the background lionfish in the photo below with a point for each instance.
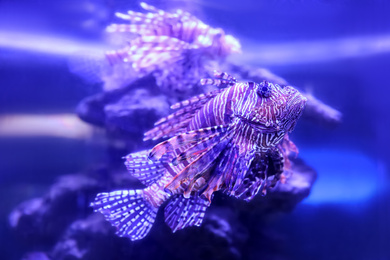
(176, 47)
(233, 139)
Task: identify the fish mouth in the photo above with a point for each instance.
(297, 104)
(295, 97)
(295, 110)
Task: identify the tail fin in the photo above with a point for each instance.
(128, 211)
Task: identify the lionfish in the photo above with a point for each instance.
(176, 47)
(233, 139)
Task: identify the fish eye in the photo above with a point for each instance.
(264, 89)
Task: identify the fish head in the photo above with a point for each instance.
(275, 108)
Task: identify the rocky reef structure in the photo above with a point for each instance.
(64, 227)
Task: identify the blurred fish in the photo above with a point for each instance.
(164, 36)
(176, 47)
(234, 139)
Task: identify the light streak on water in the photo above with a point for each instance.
(46, 44)
(256, 53)
(308, 52)
(53, 125)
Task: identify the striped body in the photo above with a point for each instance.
(258, 116)
(240, 102)
(233, 139)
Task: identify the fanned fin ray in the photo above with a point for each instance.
(128, 211)
(197, 101)
(227, 164)
(260, 176)
(178, 121)
(287, 147)
(181, 140)
(241, 168)
(200, 165)
(156, 22)
(146, 53)
(221, 79)
(247, 191)
(143, 169)
(214, 184)
(198, 148)
(169, 129)
(182, 212)
(233, 164)
(223, 171)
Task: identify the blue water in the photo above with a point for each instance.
(345, 176)
(346, 215)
